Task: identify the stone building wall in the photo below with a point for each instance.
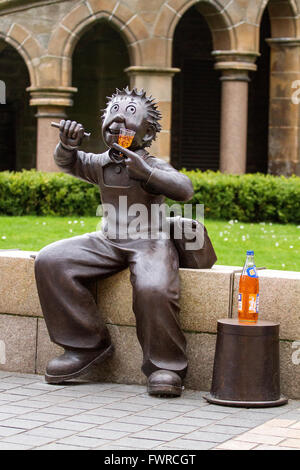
(17, 121)
(46, 32)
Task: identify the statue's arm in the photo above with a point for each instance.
(71, 160)
(164, 179)
(83, 165)
(157, 176)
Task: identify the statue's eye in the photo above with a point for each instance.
(131, 109)
(114, 108)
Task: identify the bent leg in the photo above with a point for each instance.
(156, 289)
(63, 271)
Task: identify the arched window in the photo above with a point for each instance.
(17, 120)
(196, 96)
(258, 105)
(99, 60)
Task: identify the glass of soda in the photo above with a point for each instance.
(125, 137)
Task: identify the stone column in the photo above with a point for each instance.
(235, 69)
(284, 117)
(158, 83)
(51, 106)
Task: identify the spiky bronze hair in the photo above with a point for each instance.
(153, 114)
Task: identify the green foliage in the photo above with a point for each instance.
(36, 193)
(251, 197)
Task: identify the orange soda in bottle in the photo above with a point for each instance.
(248, 299)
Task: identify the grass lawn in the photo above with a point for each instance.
(276, 246)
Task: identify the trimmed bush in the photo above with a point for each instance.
(251, 197)
(33, 192)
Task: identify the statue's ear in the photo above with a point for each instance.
(149, 136)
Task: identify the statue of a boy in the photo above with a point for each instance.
(64, 268)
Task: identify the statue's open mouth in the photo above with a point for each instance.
(115, 130)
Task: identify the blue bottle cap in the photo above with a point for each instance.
(250, 252)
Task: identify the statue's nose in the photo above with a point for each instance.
(119, 118)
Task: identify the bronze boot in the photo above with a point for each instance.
(164, 383)
(73, 363)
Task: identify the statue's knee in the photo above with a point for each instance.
(153, 292)
(45, 260)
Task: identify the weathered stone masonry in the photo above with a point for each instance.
(45, 33)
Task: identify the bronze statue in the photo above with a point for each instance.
(64, 268)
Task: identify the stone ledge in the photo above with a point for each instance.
(18, 293)
(200, 306)
(206, 295)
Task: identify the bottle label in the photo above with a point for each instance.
(253, 303)
(251, 272)
(240, 303)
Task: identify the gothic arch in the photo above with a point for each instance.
(218, 19)
(284, 17)
(17, 119)
(78, 21)
(27, 46)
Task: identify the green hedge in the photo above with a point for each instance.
(252, 197)
(34, 192)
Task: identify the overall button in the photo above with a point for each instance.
(118, 169)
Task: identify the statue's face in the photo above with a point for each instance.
(125, 112)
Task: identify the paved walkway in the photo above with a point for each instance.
(35, 415)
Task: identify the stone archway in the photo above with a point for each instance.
(99, 61)
(196, 96)
(82, 17)
(27, 46)
(259, 95)
(219, 21)
(284, 116)
(283, 17)
(17, 118)
(233, 60)
(55, 96)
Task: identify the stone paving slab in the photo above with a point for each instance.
(84, 415)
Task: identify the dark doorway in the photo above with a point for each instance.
(196, 96)
(7, 137)
(99, 61)
(258, 113)
(17, 120)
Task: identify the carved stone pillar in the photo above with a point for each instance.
(235, 68)
(51, 105)
(158, 83)
(284, 110)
